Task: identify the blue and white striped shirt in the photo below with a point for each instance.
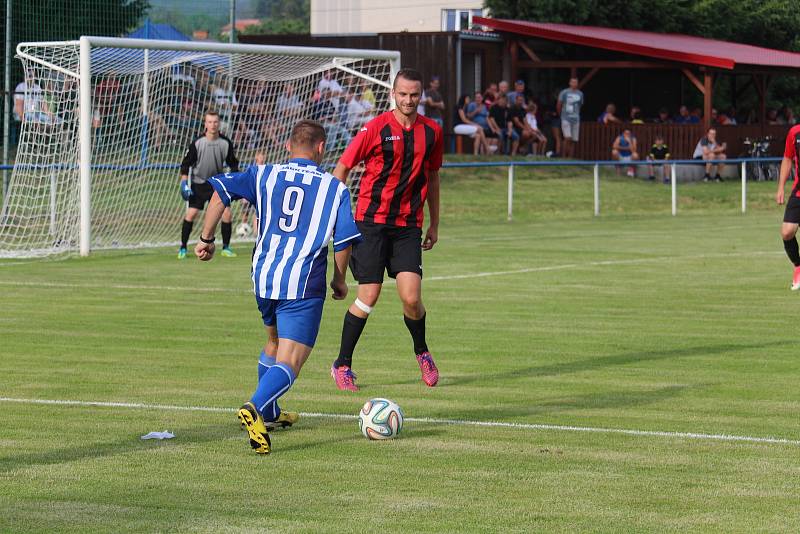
(300, 209)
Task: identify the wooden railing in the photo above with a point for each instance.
(596, 139)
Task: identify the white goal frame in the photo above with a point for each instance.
(86, 43)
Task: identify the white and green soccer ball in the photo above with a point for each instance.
(380, 419)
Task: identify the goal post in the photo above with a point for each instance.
(107, 122)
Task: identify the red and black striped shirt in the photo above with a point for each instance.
(398, 161)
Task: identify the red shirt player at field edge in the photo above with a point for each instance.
(402, 152)
(791, 217)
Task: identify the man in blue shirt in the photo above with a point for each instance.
(300, 208)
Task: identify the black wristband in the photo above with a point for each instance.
(207, 241)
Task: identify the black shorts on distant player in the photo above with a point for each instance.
(394, 249)
(201, 193)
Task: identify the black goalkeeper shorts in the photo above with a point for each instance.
(394, 249)
(202, 193)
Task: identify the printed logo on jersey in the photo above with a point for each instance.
(392, 138)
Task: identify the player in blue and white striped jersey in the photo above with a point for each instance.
(300, 209)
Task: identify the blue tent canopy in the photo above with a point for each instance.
(164, 32)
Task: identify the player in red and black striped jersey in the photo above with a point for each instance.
(402, 152)
(791, 217)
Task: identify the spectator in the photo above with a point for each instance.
(568, 107)
(659, 152)
(663, 117)
(731, 113)
(537, 140)
(324, 111)
(519, 89)
(477, 113)
(366, 93)
(636, 115)
(517, 113)
(503, 127)
(787, 116)
(359, 112)
(710, 150)
(684, 117)
(289, 104)
(502, 88)
(464, 126)
(624, 149)
(553, 121)
(434, 104)
(328, 83)
(772, 117)
(490, 95)
(29, 103)
(609, 115)
(697, 115)
(226, 104)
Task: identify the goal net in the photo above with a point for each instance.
(105, 174)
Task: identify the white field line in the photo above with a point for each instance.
(545, 268)
(460, 422)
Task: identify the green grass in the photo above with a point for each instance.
(633, 320)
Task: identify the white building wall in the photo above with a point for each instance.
(381, 16)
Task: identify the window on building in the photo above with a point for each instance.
(454, 20)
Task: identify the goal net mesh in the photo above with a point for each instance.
(147, 106)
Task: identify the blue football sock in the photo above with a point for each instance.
(271, 411)
(275, 382)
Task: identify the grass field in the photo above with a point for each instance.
(564, 328)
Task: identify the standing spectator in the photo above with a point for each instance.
(663, 117)
(501, 124)
(710, 150)
(659, 152)
(29, 103)
(569, 105)
(609, 115)
(624, 149)
(684, 117)
(463, 126)
(206, 157)
(519, 89)
(434, 105)
(636, 115)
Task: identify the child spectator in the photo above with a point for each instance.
(659, 152)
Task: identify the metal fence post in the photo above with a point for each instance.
(510, 191)
(744, 186)
(596, 189)
(674, 180)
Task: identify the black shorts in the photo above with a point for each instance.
(792, 213)
(395, 249)
(202, 193)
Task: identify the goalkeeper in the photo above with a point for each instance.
(206, 157)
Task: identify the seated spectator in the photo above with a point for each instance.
(710, 150)
(519, 89)
(722, 119)
(684, 117)
(517, 115)
(608, 116)
(731, 113)
(536, 138)
(490, 94)
(659, 152)
(503, 127)
(663, 117)
(479, 114)
(624, 149)
(464, 126)
(636, 115)
(697, 115)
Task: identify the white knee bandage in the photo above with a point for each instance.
(363, 307)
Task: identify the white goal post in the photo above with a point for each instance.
(107, 122)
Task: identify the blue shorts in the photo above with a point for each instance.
(297, 320)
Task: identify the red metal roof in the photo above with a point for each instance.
(672, 47)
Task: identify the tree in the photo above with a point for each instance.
(282, 16)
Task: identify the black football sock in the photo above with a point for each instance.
(792, 250)
(226, 234)
(417, 329)
(186, 231)
(351, 331)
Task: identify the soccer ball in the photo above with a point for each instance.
(380, 419)
(244, 230)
